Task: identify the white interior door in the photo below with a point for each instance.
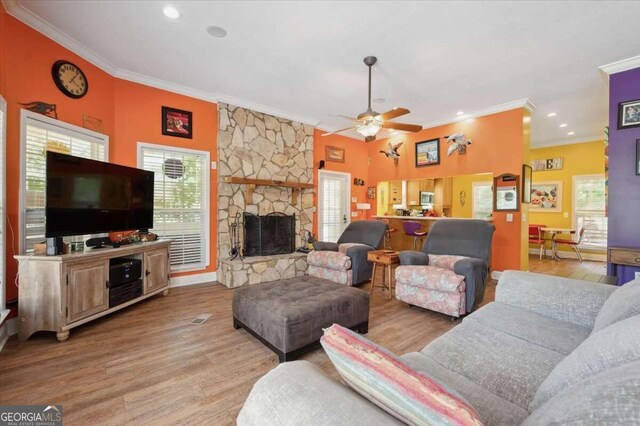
(334, 194)
(3, 185)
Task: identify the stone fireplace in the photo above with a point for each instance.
(254, 145)
(268, 235)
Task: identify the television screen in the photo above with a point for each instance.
(89, 197)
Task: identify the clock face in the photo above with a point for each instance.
(70, 79)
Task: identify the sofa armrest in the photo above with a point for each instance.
(413, 258)
(574, 301)
(299, 393)
(325, 246)
(475, 273)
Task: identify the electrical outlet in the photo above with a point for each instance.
(509, 217)
(214, 165)
(354, 214)
(354, 199)
(565, 214)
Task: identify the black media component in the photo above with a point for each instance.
(269, 235)
(55, 246)
(91, 197)
(98, 242)
(125, 280)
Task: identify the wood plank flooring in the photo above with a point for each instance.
(148, 365)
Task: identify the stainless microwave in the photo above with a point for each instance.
(426, 198)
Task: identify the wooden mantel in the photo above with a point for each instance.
(251, 184)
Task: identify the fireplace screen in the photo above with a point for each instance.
(270, 234)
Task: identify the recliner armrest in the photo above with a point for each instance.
(325, 246)
(413, 258)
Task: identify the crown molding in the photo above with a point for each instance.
(573, 141)
(620, 66)
(164, 85)
(525, 103)
(265, 109)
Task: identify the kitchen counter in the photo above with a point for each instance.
(400, 241)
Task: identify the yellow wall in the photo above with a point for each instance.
(578, 159)
(465, 183)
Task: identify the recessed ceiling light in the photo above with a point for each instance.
(571, 133)
(379, 100)
(551, 114)
(564, 125)
(171, 12)
(217, 32)
(459, 112)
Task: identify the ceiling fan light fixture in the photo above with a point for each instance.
(369, 128)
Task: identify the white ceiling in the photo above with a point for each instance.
(304, 59)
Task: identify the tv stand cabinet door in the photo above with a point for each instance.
(87, 291)
(156, 270)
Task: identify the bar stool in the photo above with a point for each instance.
(411, 228)
(387, 235)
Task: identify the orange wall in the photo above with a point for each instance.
(497, 147)
(130, 113)
(356, 163)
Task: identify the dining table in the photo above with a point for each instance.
(553, 232)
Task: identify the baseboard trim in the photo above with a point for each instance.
(599, 257)
(194, 279)
(4, 335)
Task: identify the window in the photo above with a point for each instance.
(482, 200)
(39, 135)
(180, 202)
(589, 210)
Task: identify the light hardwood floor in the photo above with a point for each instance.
(148, 365)
(566, 267)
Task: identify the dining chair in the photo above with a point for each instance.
(572, 243)
(536, 237)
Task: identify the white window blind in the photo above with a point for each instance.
(333, 210)
(39, 135)
(482, 200)
(180, 202)
(589, 210)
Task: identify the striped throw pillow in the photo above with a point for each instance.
(391, 384)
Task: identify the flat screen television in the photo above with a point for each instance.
(90, 197)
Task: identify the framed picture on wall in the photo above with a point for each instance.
(527, 174)
(176, 122)
(629, 114)
(428, 153)
(546, 197)
(334, 153)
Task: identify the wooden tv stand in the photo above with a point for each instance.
(58, 293)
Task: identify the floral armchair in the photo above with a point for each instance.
(450, 272)
(345, 261)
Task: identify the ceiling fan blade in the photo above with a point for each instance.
(338, 131)
(394, 113)
(402, 126)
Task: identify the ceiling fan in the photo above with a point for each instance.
(370, 122)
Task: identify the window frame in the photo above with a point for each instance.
(3, 199)
(205, 202)
(328, 174)
(574, 216)
(474, 185)
(28, 117)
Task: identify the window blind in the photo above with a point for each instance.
(41, 134)
(333, 211)
(180, 202)
(482, 200)
(590, 210)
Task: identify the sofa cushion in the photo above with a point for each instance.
(559, 336)
(329, 259)
(611, 397)
(615, 345)
(342, 248)
(430, 277)
(623, 303)
(445, 261)
(493, 409)
(504, 365)
(392, 384)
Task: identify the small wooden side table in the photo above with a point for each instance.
(385, 259)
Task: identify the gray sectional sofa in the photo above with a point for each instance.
(549, 350)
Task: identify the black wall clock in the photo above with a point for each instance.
(70, 79)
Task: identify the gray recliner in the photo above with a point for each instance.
(468, 239)
(356, 241)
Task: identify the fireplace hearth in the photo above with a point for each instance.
(270, 234)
